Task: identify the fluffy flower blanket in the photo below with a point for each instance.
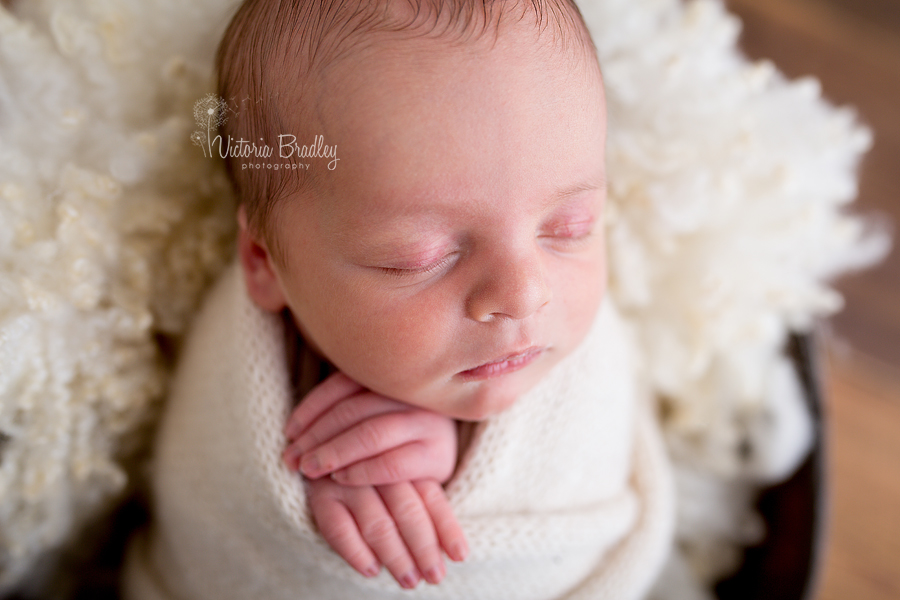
(727, 189)
(230, 520)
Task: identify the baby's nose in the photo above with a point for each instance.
(513, 285)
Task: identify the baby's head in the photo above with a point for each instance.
(455, 253)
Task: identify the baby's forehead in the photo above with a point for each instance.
(377, 66)
(287, 57)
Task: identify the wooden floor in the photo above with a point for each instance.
(853, 48)
(863, 562)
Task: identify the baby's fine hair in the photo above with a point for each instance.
(274, 52)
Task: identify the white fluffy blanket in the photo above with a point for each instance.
(727, 190)
(565, 495)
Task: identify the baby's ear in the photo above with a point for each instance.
(260, 277)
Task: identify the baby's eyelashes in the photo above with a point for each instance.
(568, 236)
(420, 270)
(569, 229)
(572, 222)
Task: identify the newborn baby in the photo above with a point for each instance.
(446, 266)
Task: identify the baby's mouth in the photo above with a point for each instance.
(504, 365)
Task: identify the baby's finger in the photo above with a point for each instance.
(291, 456)
(322, 397)
(449, 532)
(365, 440)
(379, 530)
(337, 526)
(344, 415)
(415, 524)
(406, 463)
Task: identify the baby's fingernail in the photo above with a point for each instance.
(372, 570)
(459, 551)
(409, 581)
(435, 574)
(311, 466)
(290, 457)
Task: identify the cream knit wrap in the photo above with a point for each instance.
(565, 495)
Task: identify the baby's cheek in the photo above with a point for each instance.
(402, 346)
(418, 334)
(584, 288)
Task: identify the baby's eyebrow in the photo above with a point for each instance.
(564, 194)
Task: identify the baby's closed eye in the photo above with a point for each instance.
(572, 222)
(420, 268)
(571, 229)
(567, 233)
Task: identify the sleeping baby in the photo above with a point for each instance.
(414, 355)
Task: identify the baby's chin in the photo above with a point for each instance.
(461, 400)
(484, 404)
(480, 400)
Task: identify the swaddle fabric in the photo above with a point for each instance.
(565, 495)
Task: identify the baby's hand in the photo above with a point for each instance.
(362, 438)
(399, 526)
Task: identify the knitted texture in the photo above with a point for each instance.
(726, 218)
(561, 496)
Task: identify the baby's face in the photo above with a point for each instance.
(456, 253)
